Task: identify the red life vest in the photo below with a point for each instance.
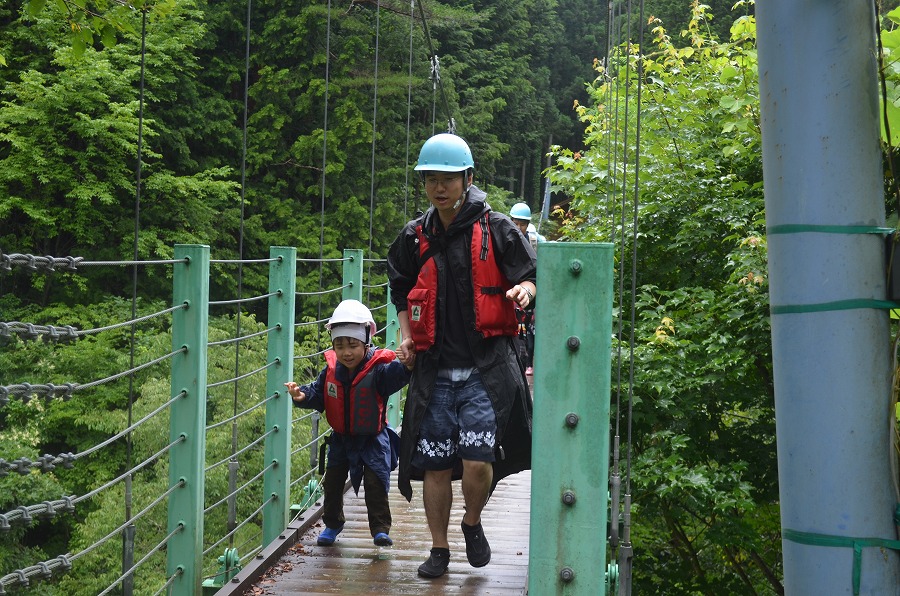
(361, 411)
(494, 314)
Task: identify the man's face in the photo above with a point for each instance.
(522, 224)
(444, 190)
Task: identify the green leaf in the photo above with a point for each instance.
(78, 45)
(108, 35)
(728, 73)
(34, 7)
(890, 39)
(894, 15)
(893, 118)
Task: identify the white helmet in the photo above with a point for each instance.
(351, 318)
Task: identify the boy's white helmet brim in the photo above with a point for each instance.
(354, 330)
(352, 313)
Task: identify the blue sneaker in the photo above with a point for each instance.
(326, 538)
(382, 539)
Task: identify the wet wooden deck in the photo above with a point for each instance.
(354, 565)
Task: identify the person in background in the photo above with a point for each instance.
(520, 213)
(353, 390)
(456, 274)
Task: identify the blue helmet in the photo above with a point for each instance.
(520, 211)
(445, 152)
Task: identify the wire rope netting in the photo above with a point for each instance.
(76, 482)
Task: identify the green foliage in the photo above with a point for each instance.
(68, 148)
(704, 467)
(87, 23)
(30, 428)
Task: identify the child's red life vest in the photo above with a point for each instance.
(361, 411)
(494, 314)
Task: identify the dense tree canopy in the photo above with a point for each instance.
(704, 471)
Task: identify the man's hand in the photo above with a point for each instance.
(294, 391)
(522, 294)
(406, 353)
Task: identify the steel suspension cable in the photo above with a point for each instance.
(623, 557)
(412, 23)
(626, 552)
(324, 157)
(609, 85)
(129, 528)
(612, 144)
(451, 125)
(233, 468)
(374, 135)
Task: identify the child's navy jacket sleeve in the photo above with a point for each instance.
(392, 377)
(315, 393)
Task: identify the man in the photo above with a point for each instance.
(456, 274)
(520, 213)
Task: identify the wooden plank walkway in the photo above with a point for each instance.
(354, 565)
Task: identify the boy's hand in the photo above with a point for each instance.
(294, 391)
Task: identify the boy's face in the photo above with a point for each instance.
(350, 351)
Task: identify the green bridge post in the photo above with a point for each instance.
(353, 274)
(392, 342)
(277, 479)
(570, 447)
(187, 423)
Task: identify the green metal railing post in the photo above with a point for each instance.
(277, 479)
(353, 274)
(570, 446)
(187, 424)
(392, 342)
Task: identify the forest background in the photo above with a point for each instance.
(529, 84)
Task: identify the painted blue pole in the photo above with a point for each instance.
(830, 333)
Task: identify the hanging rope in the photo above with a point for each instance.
(436, 76)
(615, 480)
(626, 551)
(324, 161)
(234, 464)
(412, 23)
(374, 136)
(128, 531)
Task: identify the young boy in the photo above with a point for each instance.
(353, 389)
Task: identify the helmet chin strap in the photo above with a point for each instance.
(462, 197)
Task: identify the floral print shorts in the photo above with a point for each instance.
(459, 422)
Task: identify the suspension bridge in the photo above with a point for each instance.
(216, 528)
(235, 493)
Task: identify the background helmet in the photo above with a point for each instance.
(520, 211)
(445, 152)
(351, 318)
